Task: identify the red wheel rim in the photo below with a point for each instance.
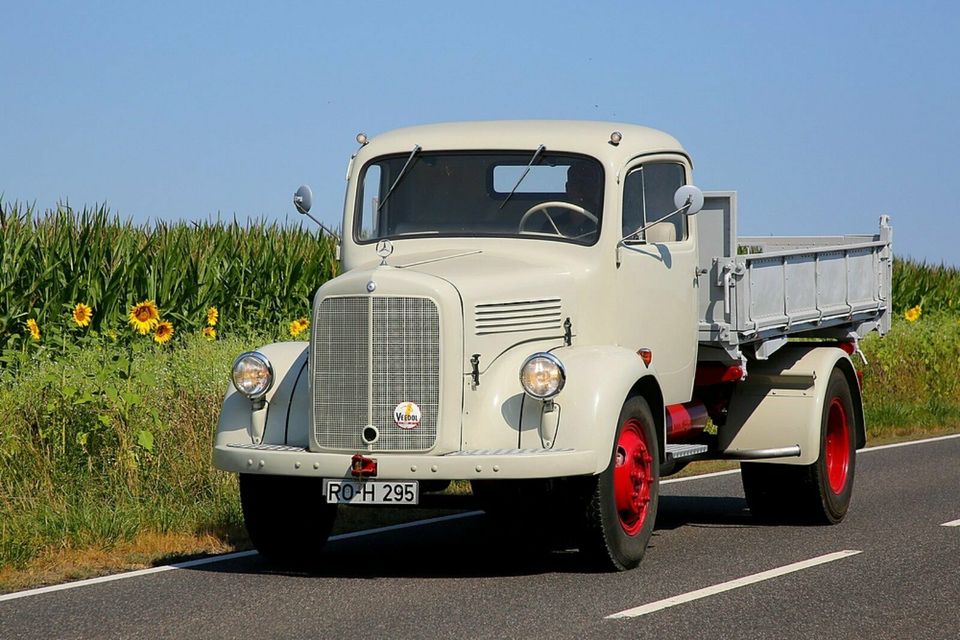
(632, 473)
(837, 449)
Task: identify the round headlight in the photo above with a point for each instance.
(252, 374)
(542, 376)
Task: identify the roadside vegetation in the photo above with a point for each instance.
(115, 347)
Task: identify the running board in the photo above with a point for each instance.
(676, 451)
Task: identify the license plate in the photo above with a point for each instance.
(371, 492)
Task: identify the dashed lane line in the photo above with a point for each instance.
(730, 585)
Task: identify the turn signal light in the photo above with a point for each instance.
(646, 355)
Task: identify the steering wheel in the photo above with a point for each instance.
(544, 207)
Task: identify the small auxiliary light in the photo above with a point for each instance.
(646, 355)
(363, 467)
(362, 138)
(615, 138)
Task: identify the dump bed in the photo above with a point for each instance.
(757, 291)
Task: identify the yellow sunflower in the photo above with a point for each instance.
(298, 326)
(82, 314)
(209, 333)
(163, 332)
(144, 316)
(34, 329)
(912, 314)
(212, 316)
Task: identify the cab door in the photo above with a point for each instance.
(657, 274)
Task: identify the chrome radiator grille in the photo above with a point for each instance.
(370, 354)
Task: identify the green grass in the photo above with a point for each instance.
(89, 459)
(912, 379)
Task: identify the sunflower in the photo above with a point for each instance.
(298, 326)
(163, 332)
(34, 329)
(212, 316)
(144, 316)
(912, 314)
(209, 333)
(82, 314)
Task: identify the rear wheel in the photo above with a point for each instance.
(287, 518)
(818, 493)
(622, 509)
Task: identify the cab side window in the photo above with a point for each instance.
(647, 196)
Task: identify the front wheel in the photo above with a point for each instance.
(287, 517)
(818, 493)
(623, 506)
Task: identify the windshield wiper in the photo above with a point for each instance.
(536, 154)
(406, 165)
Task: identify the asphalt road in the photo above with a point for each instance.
(461, 578)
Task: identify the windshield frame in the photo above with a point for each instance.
(522, 157)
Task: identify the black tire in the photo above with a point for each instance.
(819, 493)
(287, 518)
(616, 538)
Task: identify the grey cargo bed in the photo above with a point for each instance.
(832, 286)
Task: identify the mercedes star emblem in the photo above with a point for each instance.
(384, 249)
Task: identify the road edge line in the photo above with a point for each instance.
(220, 558)
(893, 445)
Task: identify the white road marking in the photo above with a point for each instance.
(732, 584)
(952, 523)
(356, 534)
(908, 443)
(121, 576)
(222, 558)
(702, 476)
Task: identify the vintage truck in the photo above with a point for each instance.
(550, 310)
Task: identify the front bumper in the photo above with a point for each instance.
(487, 464)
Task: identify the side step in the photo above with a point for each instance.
(676, 451)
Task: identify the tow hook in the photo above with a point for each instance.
(363, 467)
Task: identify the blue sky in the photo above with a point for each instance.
(822, 115)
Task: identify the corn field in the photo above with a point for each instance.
(258, 276)
(930, 287)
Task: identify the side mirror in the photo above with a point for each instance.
(690, 197)
(303, 199)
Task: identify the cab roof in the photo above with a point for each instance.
(581, 136)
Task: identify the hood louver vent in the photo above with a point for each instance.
(519, 316)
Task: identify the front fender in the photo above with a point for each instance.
(235, 426)
(599, 380)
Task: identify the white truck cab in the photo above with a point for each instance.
(551, 310)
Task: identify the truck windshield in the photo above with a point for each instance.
(468, 194)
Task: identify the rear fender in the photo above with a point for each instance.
(780, 404)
